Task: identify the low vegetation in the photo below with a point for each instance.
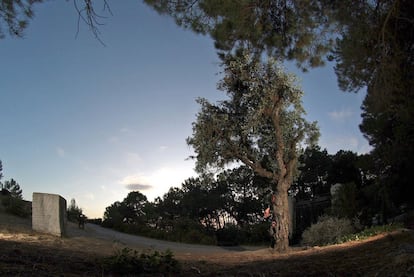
(127, 261)
(370, 232)
(332, 230)
(327, 230)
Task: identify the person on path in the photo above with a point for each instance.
(81, 221)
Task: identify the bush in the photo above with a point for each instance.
(97, 221)
(228, 236)
(256, 233)
(128, 261)
(187, 231)
(327, 230)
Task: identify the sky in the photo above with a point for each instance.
(92, 122)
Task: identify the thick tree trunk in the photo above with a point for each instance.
(282, 217)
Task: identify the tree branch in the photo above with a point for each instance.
(88, 15)
(257, 167)
(248, 159)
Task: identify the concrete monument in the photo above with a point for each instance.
(49, 213)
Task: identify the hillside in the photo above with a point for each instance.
(27, 253)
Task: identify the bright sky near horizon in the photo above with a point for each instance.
(92, 123)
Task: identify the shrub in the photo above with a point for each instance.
(208, 240)
(228, 236)
(128, 261)
(327, 230)
(188, 231)
(256, 233)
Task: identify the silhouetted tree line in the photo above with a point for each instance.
(197, 212)
(228, 208)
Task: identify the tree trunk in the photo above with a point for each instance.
(282, 217)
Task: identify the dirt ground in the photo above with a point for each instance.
(24, 252)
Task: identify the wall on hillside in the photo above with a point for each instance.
(49, 213)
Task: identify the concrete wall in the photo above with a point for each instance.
(49, 213)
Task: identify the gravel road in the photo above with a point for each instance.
(96, 231)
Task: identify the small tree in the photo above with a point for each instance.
(13, 201)
(14, 188)
(113, 217)
(134, 203)
(73, 211)
(260, 125)
(131, 211)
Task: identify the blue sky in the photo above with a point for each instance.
(91, 122)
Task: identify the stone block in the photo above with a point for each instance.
(49, 213)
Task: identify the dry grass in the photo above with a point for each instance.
(383, 255)
(26, 253)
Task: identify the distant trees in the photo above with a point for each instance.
(14, 188)
(247, 193)
(134, 207)
(10, 186)
(128, 215)
(73, 211)
(359, 195)
(113, 217)
(313, 171)
(11, 197)
(227, 207)
(192, 213)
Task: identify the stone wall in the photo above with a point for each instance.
(49, 213)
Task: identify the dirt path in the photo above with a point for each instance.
(96, 239)
(23, 250)
(139, 242)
